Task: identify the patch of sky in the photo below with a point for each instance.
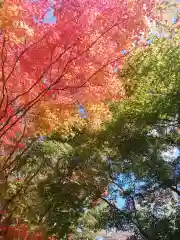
(85, 210)
(82, 111)
(124, 51)
(153, 133)
(79, 230)
(149, 41)
(121, 202)
(41, 138)
(129, 181)
(49, 17)
(171, 154)
(115, 69)
(125, 181)
(99, 238)
(174, 20)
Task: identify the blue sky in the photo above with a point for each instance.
(49, 17)
(172, 154)
(99, 238)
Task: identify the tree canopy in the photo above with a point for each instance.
(88, 121)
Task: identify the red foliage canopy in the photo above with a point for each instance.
(70, 60)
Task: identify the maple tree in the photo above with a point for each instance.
(63, 118)
(67, 61)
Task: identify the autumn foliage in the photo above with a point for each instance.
(22, 232)
(56, 65)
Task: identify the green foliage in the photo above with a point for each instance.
(61, 178)
(145, 125)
